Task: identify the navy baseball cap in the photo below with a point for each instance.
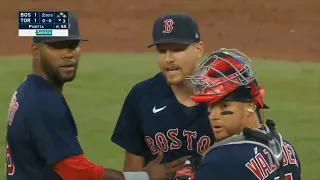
(175, 28)
(74, 33)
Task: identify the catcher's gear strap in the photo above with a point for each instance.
(270, 139)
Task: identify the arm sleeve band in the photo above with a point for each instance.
(78, 168)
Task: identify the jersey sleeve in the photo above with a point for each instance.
(296, 157)
(223, 164)
(127, 133)
(52, 131)
(299, 164)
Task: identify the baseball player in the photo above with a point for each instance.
(244, 149)
(42, 134)
(159, 111)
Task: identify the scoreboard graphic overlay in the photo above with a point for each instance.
(47, 24)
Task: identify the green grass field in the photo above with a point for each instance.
(103, 80)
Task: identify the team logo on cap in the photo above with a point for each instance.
(168, 26)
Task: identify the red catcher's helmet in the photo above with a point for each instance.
(222, 73)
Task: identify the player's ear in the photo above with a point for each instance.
(199, 48)
(250, 109)
(35, 51)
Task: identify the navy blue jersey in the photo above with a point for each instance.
(41, 131)
(153, 120)
(236, 161)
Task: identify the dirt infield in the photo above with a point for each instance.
(286, 29)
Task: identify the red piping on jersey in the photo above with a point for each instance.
(78, 168)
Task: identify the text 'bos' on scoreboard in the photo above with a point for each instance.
(43, 23)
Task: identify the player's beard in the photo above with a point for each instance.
(70, 77)
(176, 79)
(67, 76)
(51, 73)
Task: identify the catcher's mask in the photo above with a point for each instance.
(226, 75)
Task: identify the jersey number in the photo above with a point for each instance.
(9, 162)
(287, 177)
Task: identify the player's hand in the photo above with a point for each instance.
(157, 171)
